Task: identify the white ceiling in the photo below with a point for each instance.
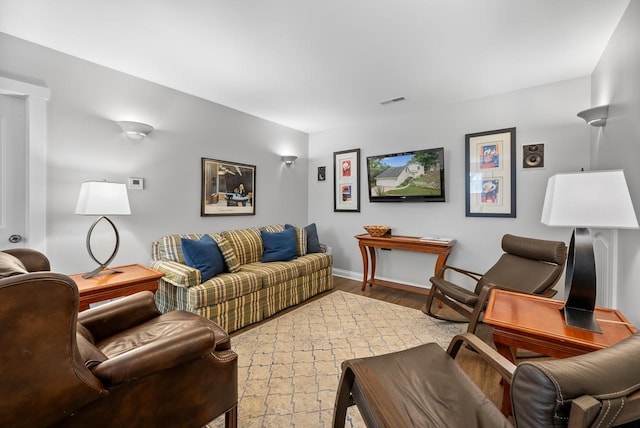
(315, 65)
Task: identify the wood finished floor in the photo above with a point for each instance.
(483, 375)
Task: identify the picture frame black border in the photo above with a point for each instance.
(203, 177)
(511, 171)
(337, 183)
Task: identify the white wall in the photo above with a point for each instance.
(544, 114)
(617, 145)
(86, 144)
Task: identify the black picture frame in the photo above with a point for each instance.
(322, 173)
(490, 173)
(346, 174)
(228, 188)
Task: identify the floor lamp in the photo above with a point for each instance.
(102, 199)
(598, 199)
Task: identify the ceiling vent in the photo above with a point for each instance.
(392, 101)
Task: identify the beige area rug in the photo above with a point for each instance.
(289, 367)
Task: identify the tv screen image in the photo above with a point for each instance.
(414, 176)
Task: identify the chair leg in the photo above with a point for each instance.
(343, 398)
(430, 297)
(231, 417)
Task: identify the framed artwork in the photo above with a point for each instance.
(346, 173)
(490, 168)
(322, 173)
(228, 188)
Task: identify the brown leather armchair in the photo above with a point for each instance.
(120, 364)
(424, 387)
(528, 265)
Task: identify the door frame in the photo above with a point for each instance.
(35, 209)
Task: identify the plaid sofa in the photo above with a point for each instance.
(251, 290)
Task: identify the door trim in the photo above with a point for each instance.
(36, 162)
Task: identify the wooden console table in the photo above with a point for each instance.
(108, 285)
(397, 242)
(537, 324)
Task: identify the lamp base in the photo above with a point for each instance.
(579, 318)
(100, 270)
(102, 265)
(580, 282)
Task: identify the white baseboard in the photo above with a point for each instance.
(358, 277)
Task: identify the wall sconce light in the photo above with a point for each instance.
(135, 130)
(595, 116)
(289, 160)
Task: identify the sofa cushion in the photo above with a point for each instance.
(301, 236)
(313, 242)
(203, 255)
(169, 248)
(279, 246)
(224, 287)
(273, 273)
(246, 243)
(10, 265)
(312, 263)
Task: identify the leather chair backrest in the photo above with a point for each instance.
(542, 391)
(33, 261)
(528, 265)
(43, 375)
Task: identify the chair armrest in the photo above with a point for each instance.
(486, 352)
(473, 275)
(33, 261)
(178, 274)
(113, 317)
(583, 411)
(161, 354)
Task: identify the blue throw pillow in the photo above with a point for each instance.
(313, 242)
(203, 255)
(279, 246)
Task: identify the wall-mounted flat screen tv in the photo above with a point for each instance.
(415, 176)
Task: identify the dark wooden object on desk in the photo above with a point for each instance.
(537, 324)
(108, 284)
(368, 244)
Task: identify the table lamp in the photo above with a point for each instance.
(582, 200)
(102, 199)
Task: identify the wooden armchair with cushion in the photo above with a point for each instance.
(122, 364)
(528, 265)
(425, 387)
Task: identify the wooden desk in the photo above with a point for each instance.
(397, 242)
(107, 285)
(537, 324)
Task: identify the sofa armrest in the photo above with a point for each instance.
(177, 274)
(113, 317)
(161, 354)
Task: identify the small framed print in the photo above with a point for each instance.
(490, 168)
(322, 173)
(346, 173)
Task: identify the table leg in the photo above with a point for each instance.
(510, 354)
(365, 266)
(440, 261)
(372, 256)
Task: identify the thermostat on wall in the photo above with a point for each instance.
(136, 183)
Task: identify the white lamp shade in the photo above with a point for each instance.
(597, 199)
(102, 198)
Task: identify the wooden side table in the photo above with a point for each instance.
(537, 324)
(108, 285)
(397, 242)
